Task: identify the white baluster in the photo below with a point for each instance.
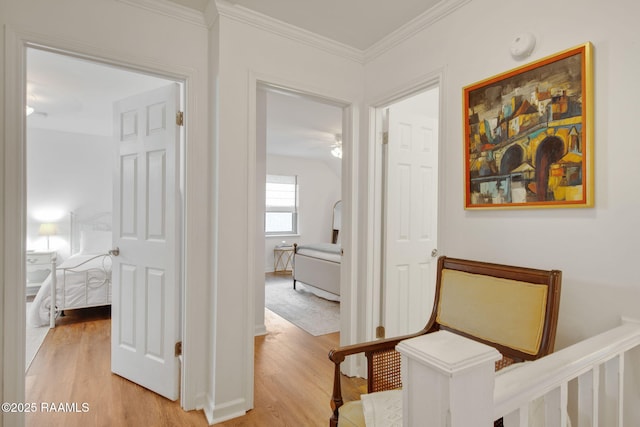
(519, 418)
(555, 404)
(613, 391)
(588, 385)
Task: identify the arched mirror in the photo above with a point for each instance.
(337, 222)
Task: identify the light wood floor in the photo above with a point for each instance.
(293, 380)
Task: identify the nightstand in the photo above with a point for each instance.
(38, 267)
(282, 259)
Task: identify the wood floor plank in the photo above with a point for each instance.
(293, 380)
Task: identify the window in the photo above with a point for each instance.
(281, 210)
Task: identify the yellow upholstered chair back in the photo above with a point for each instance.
(511, 308)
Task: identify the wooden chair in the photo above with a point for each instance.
(513, 309)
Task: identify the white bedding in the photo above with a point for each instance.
(327, 251)
(73, 293)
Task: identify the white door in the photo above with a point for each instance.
(145, 301)
(410, 225)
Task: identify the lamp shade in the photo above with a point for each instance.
(48, 229)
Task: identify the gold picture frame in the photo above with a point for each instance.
(528, 138)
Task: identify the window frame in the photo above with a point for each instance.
(275, 208)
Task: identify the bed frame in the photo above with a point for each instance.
(96, 270)
(97, 280)
(315, 271)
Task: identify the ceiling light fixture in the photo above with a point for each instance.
(336, 149)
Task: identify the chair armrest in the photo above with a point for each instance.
(370, 349)
(337, 355)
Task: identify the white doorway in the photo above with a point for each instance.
(408, 174)
(298, 137)
(71, 154)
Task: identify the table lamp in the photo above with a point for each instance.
(48, 229)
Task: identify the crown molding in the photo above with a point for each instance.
(211, 14)
(283, 29)
(229, 9)
(171, 9)
(419, 23)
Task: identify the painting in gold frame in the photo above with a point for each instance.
(528, 135)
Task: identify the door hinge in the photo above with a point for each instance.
(179, 348)
(380, 332)
(180, 118)
(385, 138)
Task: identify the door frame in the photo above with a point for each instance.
(349, 185)
(376, 168)
(14, 205)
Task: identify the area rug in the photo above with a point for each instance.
(34, 338)
(301, 307)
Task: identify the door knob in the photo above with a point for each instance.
(434, 253)
(115, 251)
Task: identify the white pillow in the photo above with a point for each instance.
(95, 242)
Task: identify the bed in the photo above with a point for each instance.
(318, 264)
(83, 280)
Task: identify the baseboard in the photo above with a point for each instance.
(260, 330)
(626, 319)
(201, 400)
(226, 411)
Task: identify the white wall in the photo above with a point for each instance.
(248, 54)
(318, 190)
(66, 172)
(166, 43)
(595, 248)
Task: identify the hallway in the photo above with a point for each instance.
(293, 380)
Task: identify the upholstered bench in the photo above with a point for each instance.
(514, 309)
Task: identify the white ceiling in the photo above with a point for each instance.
(74, 95)
(356, 23)
(300, 126)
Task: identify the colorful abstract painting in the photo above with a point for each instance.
(528, 139)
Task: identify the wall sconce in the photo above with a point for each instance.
(48, 229)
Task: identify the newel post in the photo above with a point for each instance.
(447, 381)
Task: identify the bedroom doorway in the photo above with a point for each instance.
(299, 182)
(70, 168)
(409, 211)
